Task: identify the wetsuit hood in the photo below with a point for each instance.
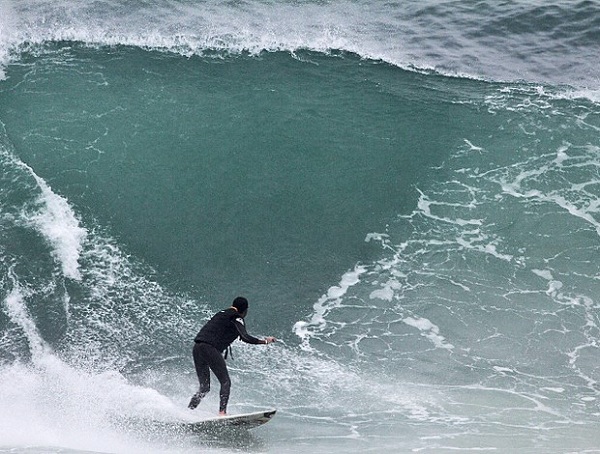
(241, 305)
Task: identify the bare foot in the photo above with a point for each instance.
(222, 413)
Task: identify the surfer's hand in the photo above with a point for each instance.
(270, 340)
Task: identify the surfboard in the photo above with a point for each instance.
(243, 421)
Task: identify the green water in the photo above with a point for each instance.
(260, 175)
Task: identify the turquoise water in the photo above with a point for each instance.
(408, 195)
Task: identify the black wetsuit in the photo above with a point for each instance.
(210, 343)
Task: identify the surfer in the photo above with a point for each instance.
(212, 342)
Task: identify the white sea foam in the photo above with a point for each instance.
(425, 205)
(7, 30)
(385, 293)
(545, 274)
(19, 315)
(49, 403)
(333, 299)
(52, 404)
(54, 218)
(428, 330)
(574, 199)
(401, 36)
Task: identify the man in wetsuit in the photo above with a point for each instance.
(212, 341)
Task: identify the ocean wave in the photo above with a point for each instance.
(536, 44)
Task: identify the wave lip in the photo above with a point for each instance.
(543, 44)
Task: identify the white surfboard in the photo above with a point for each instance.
(241, 421)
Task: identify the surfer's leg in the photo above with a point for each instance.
(203, 373)
(223, 376)
(219, 368)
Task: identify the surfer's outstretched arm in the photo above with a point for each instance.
(241, 328)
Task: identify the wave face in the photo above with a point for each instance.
(408, 195)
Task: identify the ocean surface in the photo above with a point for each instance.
(408, 193)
